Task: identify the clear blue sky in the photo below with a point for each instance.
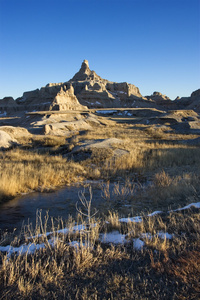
(154, 44)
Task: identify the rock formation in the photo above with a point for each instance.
(51, 97)
(94, 91)
(6, 140)
(88, 90)
(192, 102)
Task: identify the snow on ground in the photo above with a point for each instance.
(23, 249)
(155, 213)
(114, 237)
(196, 205)
(133, 219)
(162, 235)
(138, 244)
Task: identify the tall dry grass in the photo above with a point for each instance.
(69, 267)
(22, 171)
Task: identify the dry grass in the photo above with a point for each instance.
(164, 269)
(96, 271)
(22, 171)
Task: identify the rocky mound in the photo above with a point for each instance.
(7, 104)
(52, 97)
(112, 146)
(15, 132)
(192, 102)
(6, 140)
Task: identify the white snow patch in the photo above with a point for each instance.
(165, 235)
(23, 249)
(196, 205)
(138, 244)
(137, 219)
(75, 244)
(155, 213)
(162, 235)
(113, 237)
(64, 230)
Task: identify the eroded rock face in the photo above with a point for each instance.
(51, 97)
(7, 104)
(85, 73)
(196, 93)
(88, 90)
(192, 102)
(94, 91)
(6, 140)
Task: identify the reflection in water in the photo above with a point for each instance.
(60, 203)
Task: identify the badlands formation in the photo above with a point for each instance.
(81, 103)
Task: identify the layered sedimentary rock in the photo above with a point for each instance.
(192, 102)
(94, 91)
(88, 90)
(161, 100)
(7, 104)
(51, 97)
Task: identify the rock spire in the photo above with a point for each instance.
(85, 73)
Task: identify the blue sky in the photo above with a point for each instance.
(153, 44)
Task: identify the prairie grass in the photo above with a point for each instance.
(23, 171)
(76, 265)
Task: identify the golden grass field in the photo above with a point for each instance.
(163, 269)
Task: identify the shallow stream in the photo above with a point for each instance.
(62, 203)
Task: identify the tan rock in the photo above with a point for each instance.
(6, 140)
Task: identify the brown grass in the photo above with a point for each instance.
(106, 271)
(22, 171)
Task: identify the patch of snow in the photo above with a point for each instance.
(165, 235)
(113, 237)
(154, 213)
(137, 219)
(98, 102)
(162, 235)
(138, 244)
(23, 249)
(121, 92)
(75, 244)
(196, 205)
(64, 230)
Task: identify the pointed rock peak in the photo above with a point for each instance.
(85, 63)
(85, 73)
(85, 67)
